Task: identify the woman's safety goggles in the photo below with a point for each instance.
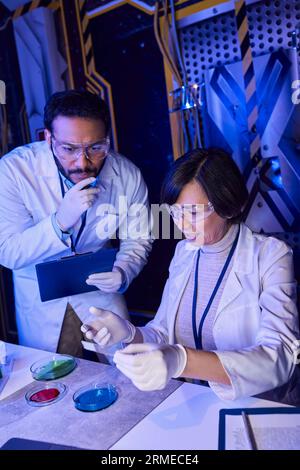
(193, 212)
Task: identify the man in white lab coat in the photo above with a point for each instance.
(50, 194)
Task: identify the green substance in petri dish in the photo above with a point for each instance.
(55, 369)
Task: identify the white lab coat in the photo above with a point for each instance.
(256, 321)
(29, 194)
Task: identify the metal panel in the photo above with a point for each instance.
(212, 58)
(213, 41)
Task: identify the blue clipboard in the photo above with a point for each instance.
(249, 411)
(67, 276)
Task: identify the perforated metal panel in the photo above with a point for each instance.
(212, 57)
(214, 42)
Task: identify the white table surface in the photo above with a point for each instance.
(23, 358)
(187, 419)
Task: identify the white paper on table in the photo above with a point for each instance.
(271, 431)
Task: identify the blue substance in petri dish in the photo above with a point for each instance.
(96, 399)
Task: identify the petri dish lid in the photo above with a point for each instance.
(45, 394)
(53, 367)
(95, 397)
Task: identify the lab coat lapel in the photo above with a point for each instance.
(108, 174)
(182, 268)
(47, 178)
(45, 164)
(109, 171)
(242, 266)
(232, 290)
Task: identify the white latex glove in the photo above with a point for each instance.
(108, 328)
(75, 202)
(106, 282)
(151, 366)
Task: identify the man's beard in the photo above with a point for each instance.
(68, 174)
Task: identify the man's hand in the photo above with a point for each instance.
(76, 201)
(106, 282)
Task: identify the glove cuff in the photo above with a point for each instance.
(123, 285)
(61, 228)
(181, 360)
(131, 332)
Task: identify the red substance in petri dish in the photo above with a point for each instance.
(47, 394)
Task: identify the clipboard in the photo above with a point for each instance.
(250, 412)
(67, 276)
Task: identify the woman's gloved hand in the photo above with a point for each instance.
(106, 282)
(151, 366)
(108, 328)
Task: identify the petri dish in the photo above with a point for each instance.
(95, 397)
(53, 367)
(45, 394)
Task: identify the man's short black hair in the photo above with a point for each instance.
(76, 103)
(218, 175)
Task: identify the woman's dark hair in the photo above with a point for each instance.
(75, 103)
(219, 176)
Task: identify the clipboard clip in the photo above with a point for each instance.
(76, 254)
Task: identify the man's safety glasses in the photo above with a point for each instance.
(71, 152)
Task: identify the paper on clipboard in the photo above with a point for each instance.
(273, 429)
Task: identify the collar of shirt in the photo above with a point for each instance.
(224, 244)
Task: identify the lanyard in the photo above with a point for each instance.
(83, 220)
(198, 333)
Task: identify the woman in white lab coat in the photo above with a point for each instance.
(228, 313)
